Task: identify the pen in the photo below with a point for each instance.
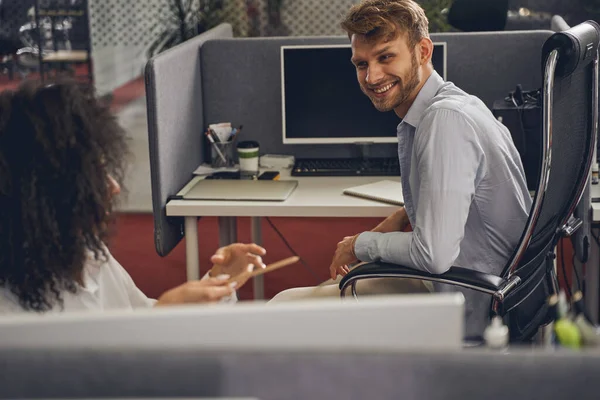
(235, 131)
(210, 139)
(214, 135)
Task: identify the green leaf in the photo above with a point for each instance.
(438, 22)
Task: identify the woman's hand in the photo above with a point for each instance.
(209, 290)
(237, 260)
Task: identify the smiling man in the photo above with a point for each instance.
(463, 183)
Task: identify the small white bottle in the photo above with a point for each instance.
(496, 334)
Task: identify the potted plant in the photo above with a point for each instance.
(184, 19)
(436, 13)
(275, 26)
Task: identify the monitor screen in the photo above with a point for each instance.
(322, 101)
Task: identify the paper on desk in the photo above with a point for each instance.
(222, 130)
(206, 169)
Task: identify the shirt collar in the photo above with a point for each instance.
(91, 274)
(423, 99)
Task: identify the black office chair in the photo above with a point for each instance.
(570, 115)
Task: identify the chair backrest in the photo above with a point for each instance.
(569, 61)
(558, 24)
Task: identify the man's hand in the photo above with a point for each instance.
(208, 290)
(237, 261)
(344, 255)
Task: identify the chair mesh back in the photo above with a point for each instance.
(571, 147)
(571, 143)
(570, 156)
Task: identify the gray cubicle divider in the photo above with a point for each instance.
(242, 80)
(175, 124)
(170, 373)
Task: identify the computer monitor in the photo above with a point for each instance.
(322, 101)
(417, 321)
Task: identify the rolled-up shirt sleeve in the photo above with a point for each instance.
(447, 156)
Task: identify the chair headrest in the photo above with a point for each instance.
(576, 46)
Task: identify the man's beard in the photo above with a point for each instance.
(404, 90)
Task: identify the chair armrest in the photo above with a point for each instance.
(458, 276)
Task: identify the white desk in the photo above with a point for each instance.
(314, 197)
(66, 56)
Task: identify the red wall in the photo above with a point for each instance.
(314, 240)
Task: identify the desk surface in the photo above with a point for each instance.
(66, 56)
(314, 197)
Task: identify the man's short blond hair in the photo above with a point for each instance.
(386, 19)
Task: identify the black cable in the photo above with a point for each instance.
(308, 268)
(519, 108)
(576, 273)
(564, 269)
(531, 98)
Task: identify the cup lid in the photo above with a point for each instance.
(247, 144)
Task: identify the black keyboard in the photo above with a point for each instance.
(387, 166)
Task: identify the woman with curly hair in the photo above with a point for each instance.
(62, 155)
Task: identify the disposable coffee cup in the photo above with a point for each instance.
(248, 151)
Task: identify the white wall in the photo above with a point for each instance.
(122, 30)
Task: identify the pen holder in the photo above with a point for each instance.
(222, 154)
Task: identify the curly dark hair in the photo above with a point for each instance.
(58, 145)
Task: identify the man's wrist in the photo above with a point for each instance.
(352, 243)
(365, 244)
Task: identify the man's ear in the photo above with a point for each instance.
(425, 50)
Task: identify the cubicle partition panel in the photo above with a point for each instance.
(242, 80)
(174, 96)
(217, 78)
(171, 372)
